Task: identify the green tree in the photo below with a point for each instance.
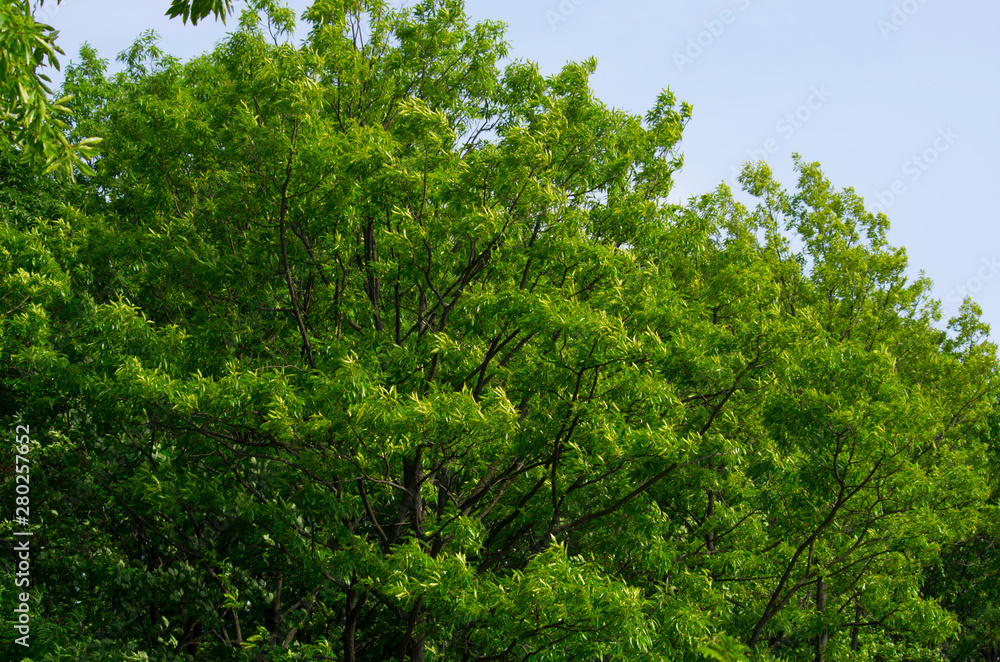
(33, 123)
(966, 579)
(30, 121)
(371, 349)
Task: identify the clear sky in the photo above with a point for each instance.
(895, 98)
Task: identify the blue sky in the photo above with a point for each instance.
(895, 98)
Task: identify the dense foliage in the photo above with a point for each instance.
(376, 349)
(31, 122)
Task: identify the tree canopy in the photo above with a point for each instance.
(379, 348)
(33, 123)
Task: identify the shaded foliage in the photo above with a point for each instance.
(374, 349)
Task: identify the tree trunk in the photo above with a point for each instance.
(854, 628)
(354, 606)
(824, 634)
